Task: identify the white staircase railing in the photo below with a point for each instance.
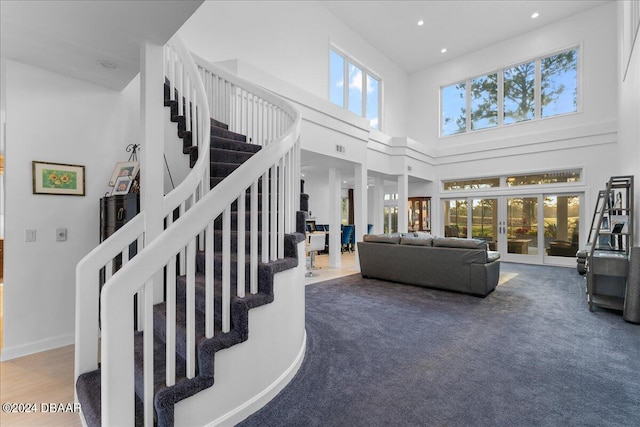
(248, 109)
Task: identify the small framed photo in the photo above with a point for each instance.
(124, 169)
(57, 178)
(122, 185)
(605, 226)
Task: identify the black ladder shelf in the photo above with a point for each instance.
(610, 240)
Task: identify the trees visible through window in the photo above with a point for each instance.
(551, 82)
(559, 83)
(353, 87)
(454, 109)
(519, 84)
(484, 101)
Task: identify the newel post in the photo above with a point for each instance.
(152, 136)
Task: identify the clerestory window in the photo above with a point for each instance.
(540, 88)
(353, 87)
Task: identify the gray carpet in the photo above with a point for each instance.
(530, 353)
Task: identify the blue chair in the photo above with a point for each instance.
(320, 227)
(369, 228)
(347, 232)
(352, 241)
(308, 226)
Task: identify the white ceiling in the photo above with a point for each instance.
(72, 37)
(460, 26)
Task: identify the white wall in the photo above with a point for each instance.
(55, 118)
(593, 31)
(291, 40)
(629, 110)
(587, 139)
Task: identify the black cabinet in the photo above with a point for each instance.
(116, 211)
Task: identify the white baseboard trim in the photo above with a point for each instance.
(9, 353)
(252, 405)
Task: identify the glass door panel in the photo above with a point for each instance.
(561, 225)
(522, 226)
(484, 221)
(455, 218)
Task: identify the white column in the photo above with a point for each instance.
(378, 205)
(335, 211)
(360, 205)
(403, 196)
(152, 143)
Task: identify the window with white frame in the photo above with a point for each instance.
(353, 87)
(540, 88)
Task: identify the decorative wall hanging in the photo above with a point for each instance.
(58, 178)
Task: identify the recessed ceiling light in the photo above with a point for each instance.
(108, 64)
(534, 15)
(443, 50)
(420, 22)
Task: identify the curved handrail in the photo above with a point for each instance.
(199, 171)
(276, 168)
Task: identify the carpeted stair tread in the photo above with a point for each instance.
(89, 392)
(159, 365)
(224, 155)
(233, 144)
(219, 169)
(216, 132)
(219, 124)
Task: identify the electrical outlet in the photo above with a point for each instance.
(29, 235)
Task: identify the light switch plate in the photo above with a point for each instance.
(29, 235)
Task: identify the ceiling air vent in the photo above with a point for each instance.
(340, 149)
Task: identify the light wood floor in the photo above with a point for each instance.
(41, 378)
(47, 377)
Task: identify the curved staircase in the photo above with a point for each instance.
(216, 260)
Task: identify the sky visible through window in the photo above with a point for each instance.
(353, 96)
(558, 95)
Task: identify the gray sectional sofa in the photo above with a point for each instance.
(450, 263)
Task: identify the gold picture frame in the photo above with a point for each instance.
(58, 178)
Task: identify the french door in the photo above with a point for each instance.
(532, 228)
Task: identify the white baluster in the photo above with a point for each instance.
(226, 269)
(265, 217)
(209, 270)
(170, 326)
(253, 269)
(281, 209)
(147, 291)
(241, 230)
(191, 308)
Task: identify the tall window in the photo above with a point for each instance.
(454, 109)
(484, 101)
(540, 88)
(519, 84)
(559, 83)
(355, 88)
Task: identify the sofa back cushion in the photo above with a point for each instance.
(456, 242)
(393, 238)
(421, 239)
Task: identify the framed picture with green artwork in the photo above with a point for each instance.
(58, 178)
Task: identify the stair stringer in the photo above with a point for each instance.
(248, 375)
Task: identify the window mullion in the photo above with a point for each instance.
(468, 96)
(537, 91)
(500, 96)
